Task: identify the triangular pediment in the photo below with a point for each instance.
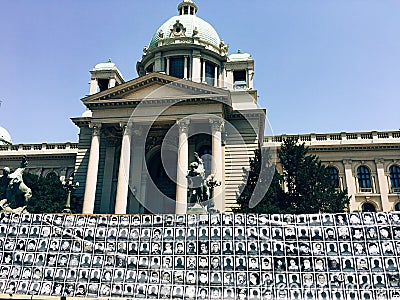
(155, 87)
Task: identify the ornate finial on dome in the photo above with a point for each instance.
(187, 7)
(109, 60)
(195, 31)
(239, 51)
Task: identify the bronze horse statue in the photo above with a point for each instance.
(16, 191)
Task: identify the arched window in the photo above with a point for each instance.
(397, 206)
(51, 175)
(364, 179)
(334, 174)
(368, 207)
(395, 178)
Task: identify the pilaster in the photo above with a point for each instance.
(351, 188)
(383, 186)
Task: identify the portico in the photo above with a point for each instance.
(138, 137)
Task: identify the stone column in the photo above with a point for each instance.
(351, 188)
(111, 83)
(383, 185)
(216, 76)
(121, 200)
(106, 206)
(203, 77)
(222, 77)
(94, 86)
(185, 68)
(93, 168)
(167, 67)
(158, 63)
(183, 166)
(138, 159)
(217, 161)
(196, 66)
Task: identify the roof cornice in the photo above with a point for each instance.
(150, 79)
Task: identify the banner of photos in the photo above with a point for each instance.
(326, 256)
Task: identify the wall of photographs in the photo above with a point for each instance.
(341, 256)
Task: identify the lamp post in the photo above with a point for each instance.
(69, 186)
(212, 183)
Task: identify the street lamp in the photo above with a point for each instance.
(212, 183)
(69, 186)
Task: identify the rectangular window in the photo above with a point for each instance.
(239, 79)
(176, 67)
(210, 73)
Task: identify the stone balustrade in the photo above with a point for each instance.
(339, 138)
(38, 148)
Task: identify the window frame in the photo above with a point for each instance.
(368, 203)
(335, 173)
(364, 179)
(177, 67)
(394, 176)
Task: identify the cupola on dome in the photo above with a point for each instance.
(186, 28)
(5, 137)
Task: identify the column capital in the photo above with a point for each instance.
(138, 131)
(216, 124)
(379, 161)
(347, 162)
(127, 128)
(96, 127)
(183, 125)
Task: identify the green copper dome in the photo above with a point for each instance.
(193, 27)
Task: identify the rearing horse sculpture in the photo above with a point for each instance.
(16, 191)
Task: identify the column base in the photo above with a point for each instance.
(200, 210)
(196, 209)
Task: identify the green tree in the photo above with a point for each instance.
(309, 187)
(48, 195)
(268, 204)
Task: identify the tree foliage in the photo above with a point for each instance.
(309, 186)
(48, 195)
(268, 203)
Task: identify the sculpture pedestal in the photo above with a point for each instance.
(197, 209)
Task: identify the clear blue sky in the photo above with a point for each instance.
(321, 66)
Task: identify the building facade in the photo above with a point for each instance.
(138, 137)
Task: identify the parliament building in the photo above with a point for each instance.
(138, 137)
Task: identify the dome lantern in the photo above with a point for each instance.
(187, 7)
